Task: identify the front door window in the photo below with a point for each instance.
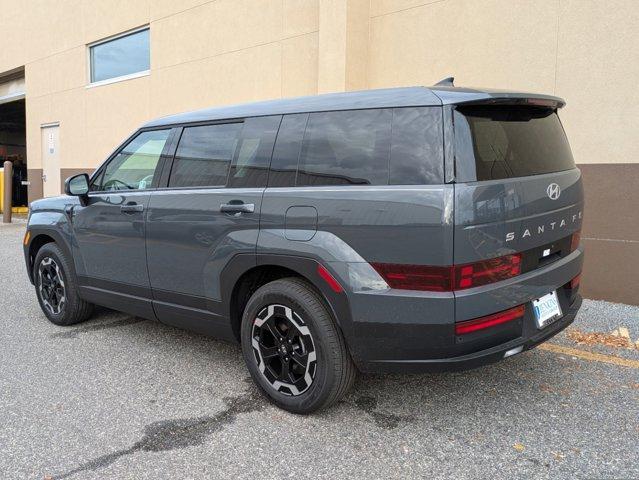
(134, 166)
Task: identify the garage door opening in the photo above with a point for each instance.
(13, 146)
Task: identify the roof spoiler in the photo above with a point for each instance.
(446, 82)
(451, 95)
(542, 102)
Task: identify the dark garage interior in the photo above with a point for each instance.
(13, 147)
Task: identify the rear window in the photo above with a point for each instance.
(496, 142)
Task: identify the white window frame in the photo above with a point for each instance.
(121, 78)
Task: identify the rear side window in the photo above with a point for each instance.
(346, 148)
(204, 155)
(400, 146)
(417, 150)
(496, 142)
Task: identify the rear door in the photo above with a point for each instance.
(207, 212)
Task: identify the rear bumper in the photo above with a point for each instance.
(408, 331)
(483, 357)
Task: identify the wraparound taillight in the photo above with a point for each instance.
(447, 279)
(574, 283)
(488, 321)
(575, 239)
(415, 277)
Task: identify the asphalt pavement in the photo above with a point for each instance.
(124, 398)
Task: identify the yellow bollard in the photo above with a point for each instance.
(1, 189)
(6, 194)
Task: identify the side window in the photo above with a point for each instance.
(134, 166)
(287, 150)
(346, 148)
(250, 167)
(417, 151)
(204, 155)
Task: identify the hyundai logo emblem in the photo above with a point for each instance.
(553, 191)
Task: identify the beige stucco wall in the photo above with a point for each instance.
(203, 53)
(206, 53)
(586, 51)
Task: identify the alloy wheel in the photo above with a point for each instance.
(51, 285)
(284, 349)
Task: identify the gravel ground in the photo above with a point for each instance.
(119, 397)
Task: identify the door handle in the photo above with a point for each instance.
(237, 207)
(132, 208)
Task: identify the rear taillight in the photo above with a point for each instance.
(575, 239)
(415, 277)
(574, 283)
(487, 271)
(490, 320)
(447, 279)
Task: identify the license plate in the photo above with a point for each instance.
(546, 309)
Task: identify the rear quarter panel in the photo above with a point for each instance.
(355, 225)
(392, 224)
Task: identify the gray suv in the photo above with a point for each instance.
(396, 230)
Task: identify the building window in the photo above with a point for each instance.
(122, 57)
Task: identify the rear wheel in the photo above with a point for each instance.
(293, 348)
(56, 289)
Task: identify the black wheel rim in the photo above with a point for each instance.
(51, 286)
(284, 349)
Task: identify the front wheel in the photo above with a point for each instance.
(56, 288)
(293, 348)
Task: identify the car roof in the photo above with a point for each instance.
(378, 98)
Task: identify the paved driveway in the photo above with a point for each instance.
(119, 397)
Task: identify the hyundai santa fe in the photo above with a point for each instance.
(396, 230)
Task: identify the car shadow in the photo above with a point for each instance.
(389, 401)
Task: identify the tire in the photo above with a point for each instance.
(315, 336)
(64, 307)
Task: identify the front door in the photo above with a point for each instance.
(110, 231)
(207, 213)
(50, 138)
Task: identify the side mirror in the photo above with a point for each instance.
(77, 186)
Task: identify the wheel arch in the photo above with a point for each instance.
(40, 238)
(243, 282)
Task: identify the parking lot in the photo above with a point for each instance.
(120, 397)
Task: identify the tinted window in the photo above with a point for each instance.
(121, 56)
(417, 151)
(250, 167)
(204, 155)
(346, 148)
(134, 166)
(508, 141)
(287, 151)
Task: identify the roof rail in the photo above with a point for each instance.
(446, 82)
